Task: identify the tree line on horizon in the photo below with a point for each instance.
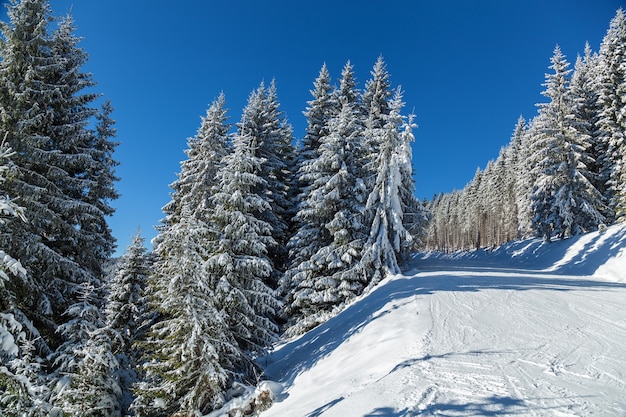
(563, 173)
(261, 237)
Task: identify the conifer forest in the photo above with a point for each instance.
(266, 236)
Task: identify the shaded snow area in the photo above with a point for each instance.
(529, 329)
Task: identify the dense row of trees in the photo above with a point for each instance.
(563, 172)
(261, 235)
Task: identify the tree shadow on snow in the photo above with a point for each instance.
(318, 412)
(492, 406)
(301, 354)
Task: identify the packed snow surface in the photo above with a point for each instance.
(530, 329)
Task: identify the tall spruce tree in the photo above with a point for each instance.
(48, 114)
(584, 91)
(240, 263)
(309, 234)
(204, 157)
(612, 98)
(564, 201)
(376, 108)
(267, 123)
(127, 313)
(188, 350)
(23, 389)
(333, 275)
(190, 354)
(388, 238)
(329, 216)
(84, 381)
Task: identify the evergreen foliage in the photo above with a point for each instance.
(84, 381)
(65, 179)
(362, 149)
(388, 239)
(186, 348)
(240, 263)
(333, 274)
(189, 354)
(127, 313)
(612, 120)
(563, 200)
(309, 234)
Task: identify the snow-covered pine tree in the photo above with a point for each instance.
(415, 214)
(377, 94)
(23, 389)
(190, 354)
(239, 261)
(205, 152)
(510, 156)
(266, 122)
(564, 201)
(388, 238)
(519, 148)
(84, 382)
(612, 120)
(82, 166)
(309, 234)
(102, 177)
(376, 107)
(127, 313)
(333, 275)
(584, 91)
(44, 108)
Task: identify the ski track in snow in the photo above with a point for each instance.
(467, 341)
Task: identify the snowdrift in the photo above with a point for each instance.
(529, 328)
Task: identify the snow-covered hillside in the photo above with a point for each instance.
(528, 329)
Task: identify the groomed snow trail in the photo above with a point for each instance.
(454, 339)
(550, 346)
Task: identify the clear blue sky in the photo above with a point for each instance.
(468, 69)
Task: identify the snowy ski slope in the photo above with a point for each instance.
(529, 329)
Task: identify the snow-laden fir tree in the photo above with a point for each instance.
(127, 312)
(522, 187)
(23, 389)
(190, 354)
(309, 234)
(376, 107)
(205, 152)
(84, 382)
(564, 201)
(388, 239)
(586, 113)
(101, 173)
(334, 275)
(612, 119)
(189, 351)
(265, 122)
(48, 114)
(239, 263)
(83, 162)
